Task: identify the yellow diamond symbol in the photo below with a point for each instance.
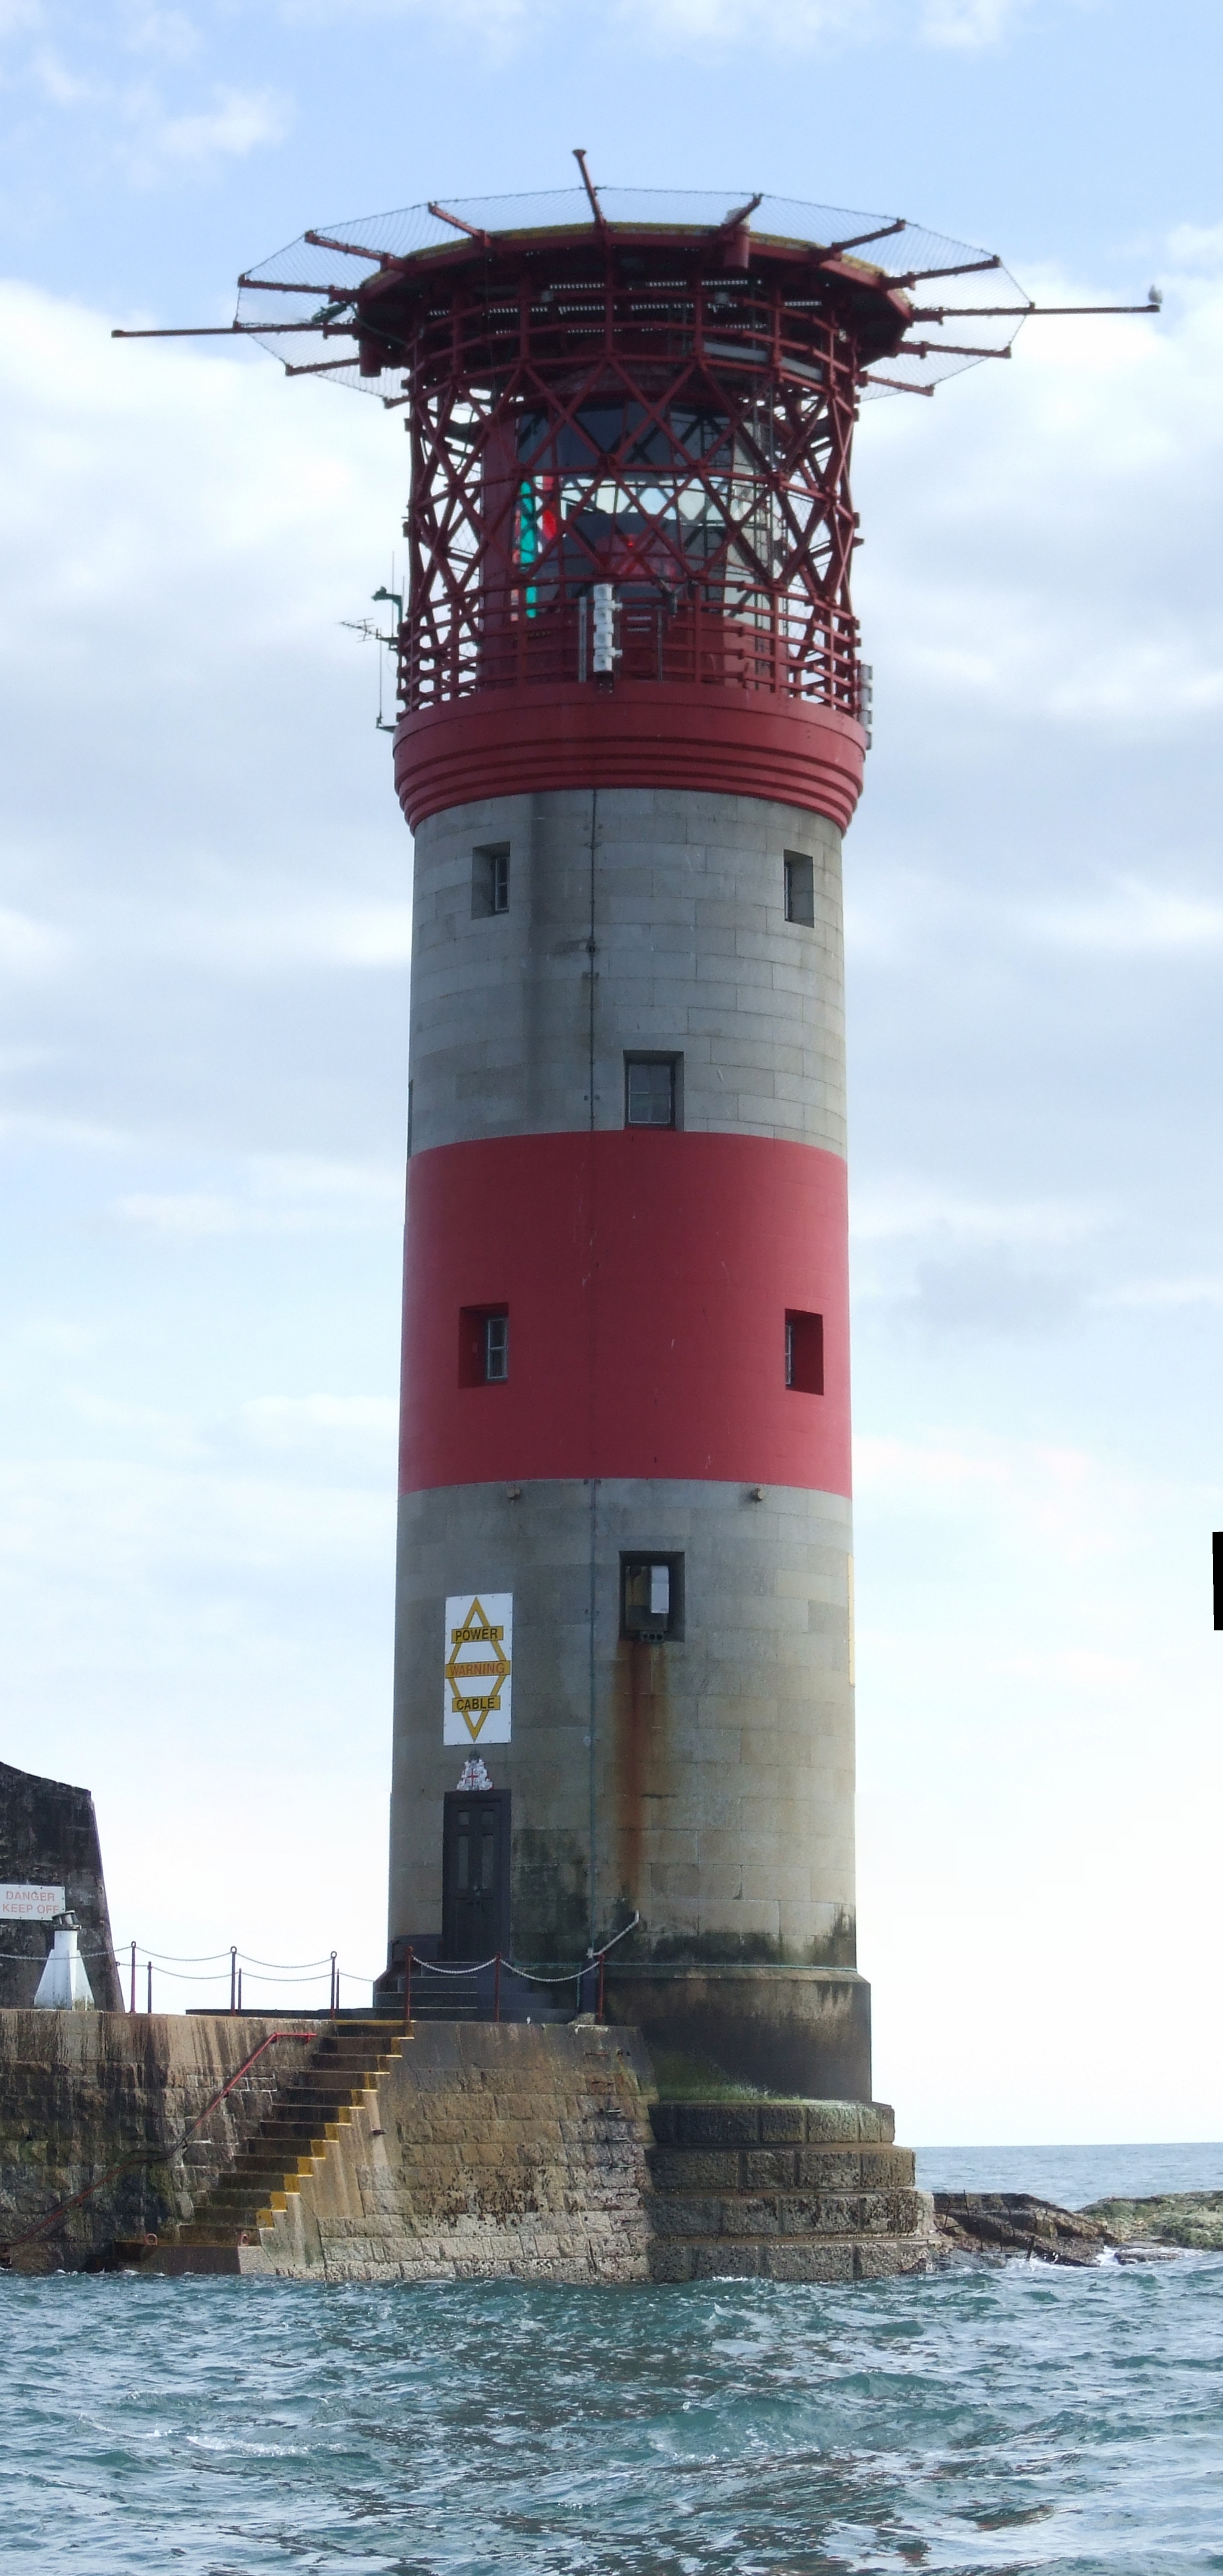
(465, 1665)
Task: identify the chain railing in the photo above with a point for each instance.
(419, 1974)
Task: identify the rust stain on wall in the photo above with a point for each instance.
(642, 1774)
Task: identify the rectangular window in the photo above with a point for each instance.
(652, 1596)
(652, 1090)
(484, 1345)
(800, 888)
(490, 879)
(804, 1352)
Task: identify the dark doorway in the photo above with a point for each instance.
(475, 1873)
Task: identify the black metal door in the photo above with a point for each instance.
(475, 1873)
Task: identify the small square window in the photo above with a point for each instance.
(804, 1352)
(484, 1345)
(652, 1597)
(490, 880)
(800, 888)
(651, 1090)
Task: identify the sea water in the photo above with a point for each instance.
(983, 2419)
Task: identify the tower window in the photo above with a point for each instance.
(804, 1352)
(652, 1090)
(484, 1345)
(652, 1596)
(800, 888)
(490, 879)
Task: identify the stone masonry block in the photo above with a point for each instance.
(833, 2123)
(674, 2215)
(751, 2215)
(886, 2258)
(712, 2124)
(887, 2168)
(781, 2124)
(728, 2260)
(671, 2262)
(821, 2213)
(694, 2169)
(829, 2168)
(768, 2168)
(809, 2260)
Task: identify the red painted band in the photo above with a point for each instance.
(646, 1277)
(639, 733)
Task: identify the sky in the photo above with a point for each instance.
(204, 944)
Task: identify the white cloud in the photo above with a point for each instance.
(726, 25)
(1084, 601)
(289, 1421)
(1142, 1293)
(294, 1195)
(732, 23)
(234, 124)
(968, 26)
(28, 947)
(283, 940)
(1132, 918)
(79, 71)
(907, 1210)
(167, 34)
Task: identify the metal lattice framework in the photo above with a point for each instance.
(659, 397)
(686, 442)
(634, 387)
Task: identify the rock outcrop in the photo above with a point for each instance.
(1013, 2222)
(1192, 2220)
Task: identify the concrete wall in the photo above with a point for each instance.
(706, 1782)
(81, 2091)
(483, 2154)
(682, 897)
(721, 1764)
(49, 1838)
(801, 2031)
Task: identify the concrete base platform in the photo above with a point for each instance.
(784, 2191)
(448, 2152)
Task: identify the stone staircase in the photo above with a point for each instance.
(310, 2113)
(515, 2152)
(784, 2191)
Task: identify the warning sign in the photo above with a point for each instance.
(22, 1904)
(478, 1668)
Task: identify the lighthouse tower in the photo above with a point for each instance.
(633, 734)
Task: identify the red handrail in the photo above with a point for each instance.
(148, 2155)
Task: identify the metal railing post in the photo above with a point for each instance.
(335, 1986)
(233, 1976)
(407, 1988)
(131, 2001)
(599, 2004)
(497, 1987)
(149, 2004)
